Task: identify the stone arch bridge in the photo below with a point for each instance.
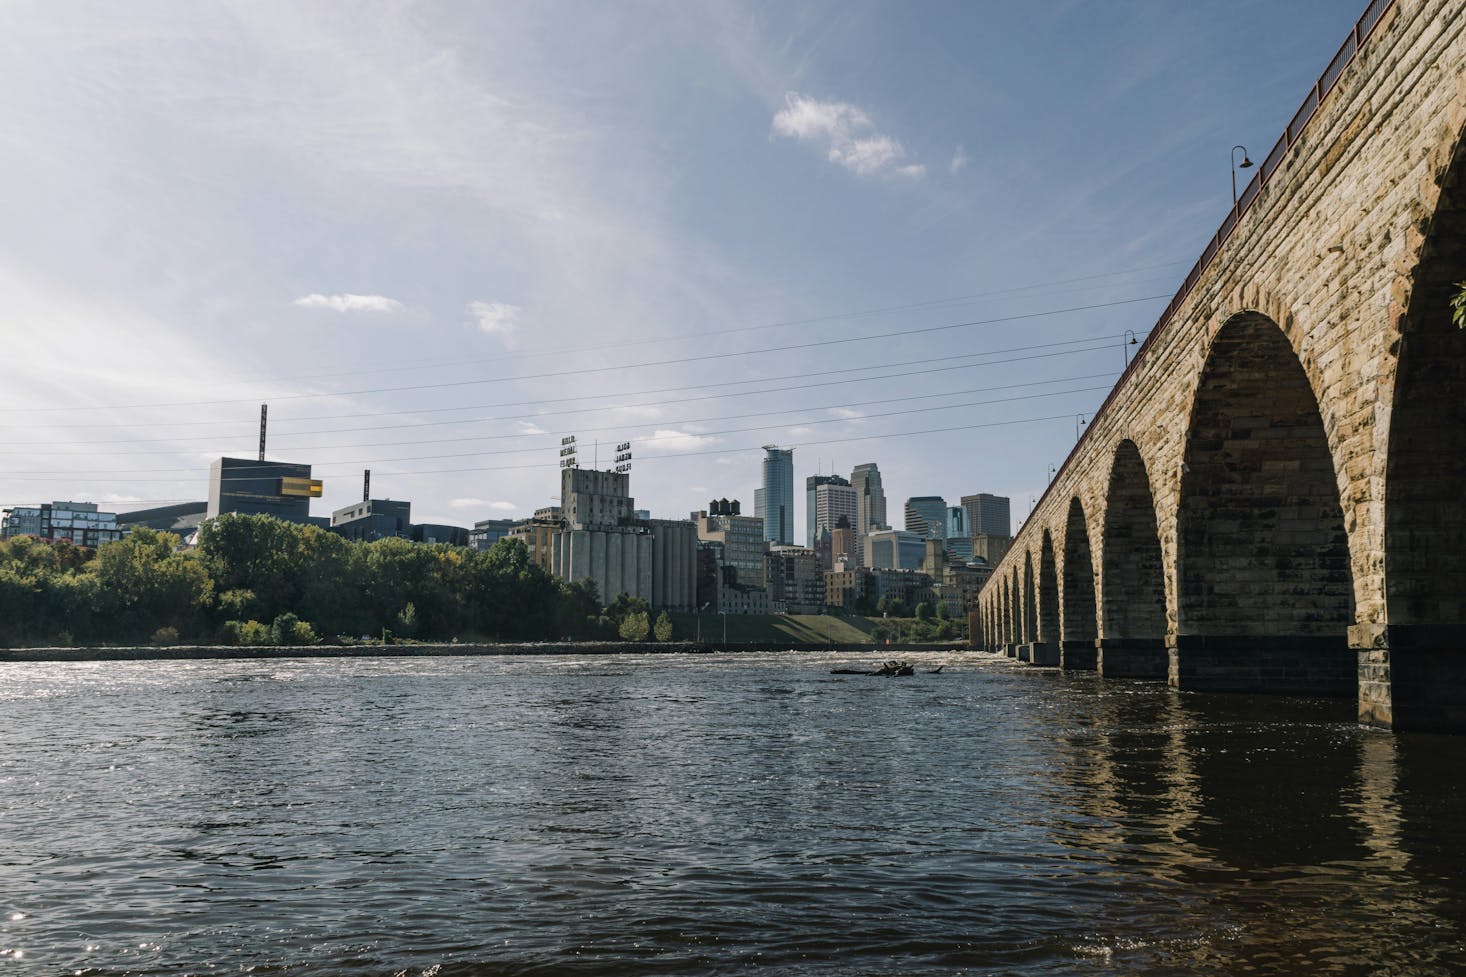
(1273, 497)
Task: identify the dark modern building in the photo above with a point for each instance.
(486, 532)
(364, 522)
(926, 516)
(435, 532)
(182, 518)
(987, 515)
(261, 488)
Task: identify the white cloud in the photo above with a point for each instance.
(671, 440)
(496, 319)
(530, 427)
(959, 161)
(647, 411)
(471, 503)
(349, 303)
(845, 413)
(849, 136)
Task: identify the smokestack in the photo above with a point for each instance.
(264, 413)
(366, 485)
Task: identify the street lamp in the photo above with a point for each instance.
(1246, 163)
(1079, 423)
(1125, 347)
(1052, 470)
(699, 621)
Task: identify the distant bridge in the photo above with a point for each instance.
(1273, 497)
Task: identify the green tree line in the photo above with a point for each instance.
(257, 580)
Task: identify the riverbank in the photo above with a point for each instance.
(237, 653)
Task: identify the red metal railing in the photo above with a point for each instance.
(1363, 28)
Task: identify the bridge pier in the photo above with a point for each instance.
(1131, 658)
(1011, 650)
(1038, 653)
(1269, 664)
(1412, 676)
(1078, 656)
(1021, 652)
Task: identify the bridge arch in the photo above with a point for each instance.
(1421, 681)
(1132, 576)
(1048, 593)
(1030, 604)
(1009, 616)
(1265, 589)
(1078, 611)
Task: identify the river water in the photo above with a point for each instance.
(709, 815)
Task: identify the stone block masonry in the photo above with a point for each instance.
(1272, 498)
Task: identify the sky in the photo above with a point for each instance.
(436, 238)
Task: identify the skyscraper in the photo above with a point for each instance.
(774, 502)
(870, 497)
(926, 515)
(987, 515)
(826, 499)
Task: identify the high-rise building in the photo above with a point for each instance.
(926, 516)
(894, 549)
(987, 515)
(871, 499)
(826, 499)
(956, 522)
(774, 501)
(845, 545)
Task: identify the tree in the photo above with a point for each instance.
(636, 626)
(663, 628)
(577, 610)
(143, 585)
(923, 611)
(1458, 306)
(944, 613)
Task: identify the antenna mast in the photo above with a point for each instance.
(264, 413)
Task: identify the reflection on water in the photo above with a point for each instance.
(709, 814)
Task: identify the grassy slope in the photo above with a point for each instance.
(808, 628)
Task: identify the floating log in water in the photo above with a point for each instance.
(893, 667)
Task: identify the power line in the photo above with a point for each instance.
(802, 379)
(924, 330)
(785, 324)
(597, 409)
(103, 473)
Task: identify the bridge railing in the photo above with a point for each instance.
(1363, 29)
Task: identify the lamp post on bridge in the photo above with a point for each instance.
(1125, 346)
(1079, 423)
(1246, 163)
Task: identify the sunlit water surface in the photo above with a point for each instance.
(709, 815)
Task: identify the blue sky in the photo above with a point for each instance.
(423, 232)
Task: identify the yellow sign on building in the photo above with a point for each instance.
(309, 488)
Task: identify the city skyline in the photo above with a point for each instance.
(375, 235)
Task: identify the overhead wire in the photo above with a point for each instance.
(784, 324)
(597, 409)
(246, 467)
(586, 371)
